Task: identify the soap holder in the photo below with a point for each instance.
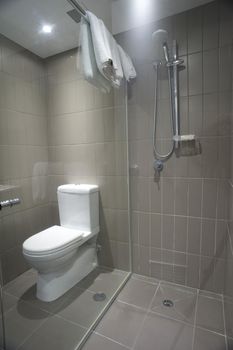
(185, 138)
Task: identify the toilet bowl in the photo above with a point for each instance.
(63, 255)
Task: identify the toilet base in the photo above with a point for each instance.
(52, 285)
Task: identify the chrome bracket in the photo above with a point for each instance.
(9, 203)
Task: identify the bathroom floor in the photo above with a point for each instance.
(139, 320)
(33, 324)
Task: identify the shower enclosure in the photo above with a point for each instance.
(55, 128)
(168, 231)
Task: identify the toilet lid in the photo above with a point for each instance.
(52, 239)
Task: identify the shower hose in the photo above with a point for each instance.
(159, 156)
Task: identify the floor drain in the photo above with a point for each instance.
(168, 303)
(100, 296)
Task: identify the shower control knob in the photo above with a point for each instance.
(158, 165)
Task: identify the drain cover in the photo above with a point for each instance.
(100, 296)
(168, 303)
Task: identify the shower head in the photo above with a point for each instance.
(160, 38)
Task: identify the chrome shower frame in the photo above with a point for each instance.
(173, 69)
(175, 88)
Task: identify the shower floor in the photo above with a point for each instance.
(139, 320)
(33, 324)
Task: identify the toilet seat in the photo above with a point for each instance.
(51, 241)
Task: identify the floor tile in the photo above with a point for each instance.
(208, 294)
(164, 334)
(230, 343)
(205, 340)
(103, 280)
(184, 303)
(138, 292)
(8, 301)
(145, 278)
(228, 312)
(82, 308)
(210, 314)
(55, 334)
(30, 322)
(177, 292)
(52, 307)
(21, 321)
(21, 284)
(122, 323)
(98, 342)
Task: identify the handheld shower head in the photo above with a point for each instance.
(160, 38)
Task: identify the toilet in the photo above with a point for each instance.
(65, 254)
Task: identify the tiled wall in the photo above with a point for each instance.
(87, 144)
(23, 152)
(228, 291)
(179, 220)
(55, 128)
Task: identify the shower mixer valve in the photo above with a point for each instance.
(158, 165)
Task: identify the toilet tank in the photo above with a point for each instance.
(79, 207)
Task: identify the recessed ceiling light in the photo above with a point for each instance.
(47, 28)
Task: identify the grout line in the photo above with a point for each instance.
(215, 296)
(112, 340)
(195, 321)
(143, 322)
(174, 227)
(149, 280)
(72, 322)
(29, 336)
(150, 245)
(181, 287)
(162, 228)
(230, 239)
(210, 331)
(215, 231)
(138, 245)
(187, 237)
(173, 215)
(202, 195)
(11, 295)
(186, 177)
(171, 318)
(224, 323)
(166, 263)
(133, 305)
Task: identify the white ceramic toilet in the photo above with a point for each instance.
(65, 254)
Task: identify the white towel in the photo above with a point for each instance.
(89, 66)
(106, 51)
(127, 65)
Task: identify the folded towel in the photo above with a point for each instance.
(106, 51)
(89, 66)
(127, 65)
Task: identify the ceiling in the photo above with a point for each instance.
(22, 20)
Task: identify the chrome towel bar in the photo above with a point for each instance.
(9, 203)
